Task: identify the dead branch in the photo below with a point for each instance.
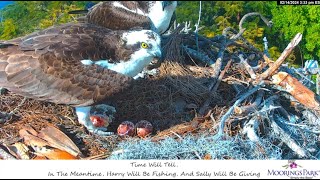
(215, 88)
(241, 29)
(283, 135)
(218, 64)
(244, 110)
(247, 67)
(237, 103)
(198, 55)
(294, 42)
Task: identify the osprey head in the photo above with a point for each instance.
(145, 43)
(144, 46)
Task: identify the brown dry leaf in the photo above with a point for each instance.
(32, 140)
(30, 130)
(55, 154)
(59, 140)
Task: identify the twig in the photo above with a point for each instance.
(237, 103)
(232, 41)
(243, 110)
(302, 126)
(283, 135)
(18, 107)
(198, 55)
(218, 64)
(248, 47)
(247, 67)
(214, 89)
(7, 116)
(197, 27)
(312, 117)
(294, 42)
(241, 29)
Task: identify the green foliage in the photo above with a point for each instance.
(287, 22)
(9, 30)
(218, 15)
(305, 19)
(28, 16)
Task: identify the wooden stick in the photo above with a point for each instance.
(294, 42)
(244, 110)
(237, 103)
(285, 137)
(247, 67)
(214, 89)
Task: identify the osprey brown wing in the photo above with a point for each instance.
(47, 65)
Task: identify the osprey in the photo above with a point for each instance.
(76, 64)
(122, 15)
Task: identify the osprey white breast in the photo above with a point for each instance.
(161, 18)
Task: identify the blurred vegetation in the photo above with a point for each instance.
(24, 17)
(287, 22)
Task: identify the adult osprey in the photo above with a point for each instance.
(123, 15)
(76, 64)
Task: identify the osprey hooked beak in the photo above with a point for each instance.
(158, 54)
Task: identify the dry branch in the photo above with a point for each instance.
(294, 42)
(287, 139)
(213, 88)
(244, 110)
(283, 135)
(241, 29)
(237, 103)
(247, 67)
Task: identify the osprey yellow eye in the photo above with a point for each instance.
(144, 45)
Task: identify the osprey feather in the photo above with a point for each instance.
(76, 64)
(121, 15)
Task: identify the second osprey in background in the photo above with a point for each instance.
(124, 15)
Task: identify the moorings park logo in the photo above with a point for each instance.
(294, 170)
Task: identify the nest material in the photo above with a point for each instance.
(167, 99)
